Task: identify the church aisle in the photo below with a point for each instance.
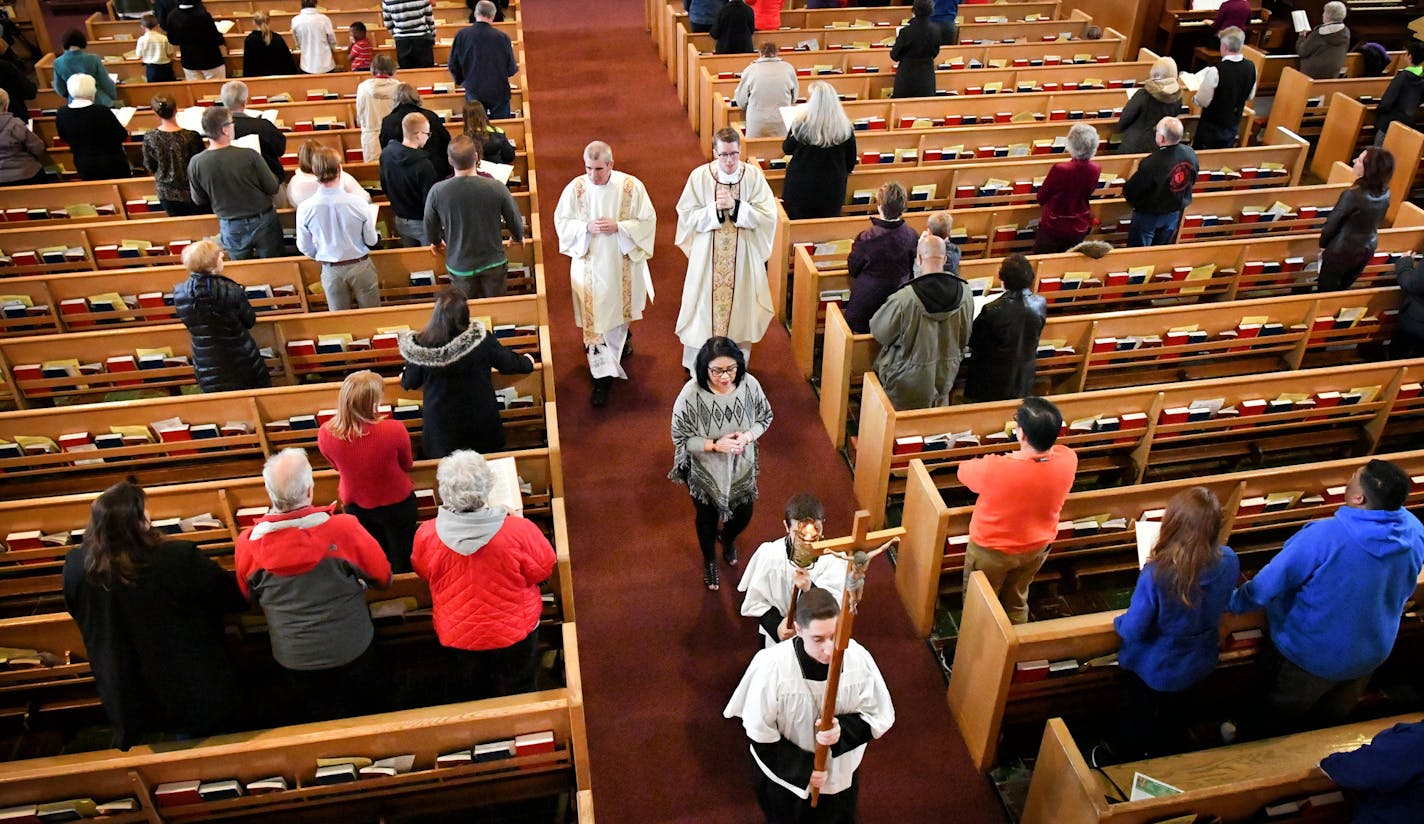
(660, 655)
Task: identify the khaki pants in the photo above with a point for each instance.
(1009, 575)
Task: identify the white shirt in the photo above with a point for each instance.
(154, 48)
(315, 38)
(332, 224)
(770, 575)
(304, 184)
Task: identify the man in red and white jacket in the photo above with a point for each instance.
(309, 570)
(484, 566)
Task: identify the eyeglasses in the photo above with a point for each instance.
(737, 153)
(722, 372)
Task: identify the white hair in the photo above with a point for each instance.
(1170, 128)
(234, 95)
(465, 481)
(1334, 12)
(1232, 39)
(1082, 141)
(823, 122)
(81, 86)
(485, 9)
(598, 150)
(288, 478)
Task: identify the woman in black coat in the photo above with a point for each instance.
(821, 142)
(450, 361)
(1003, 347)
(1351, 233)
(881, 258)
(150, 612)
(264, 52)
(915, 50)
(217, 314)
(733, 30)
(92, 132)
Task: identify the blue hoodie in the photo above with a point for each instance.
(1334, 594)
(1386, 774)
(1170, 646)
(945, 11)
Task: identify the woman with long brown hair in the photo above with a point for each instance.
(372, 454)
(150, 611)
(450, 361)
(496, 145)
(1351, 233)
(1169, 633)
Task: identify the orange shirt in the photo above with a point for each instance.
(1020, 498)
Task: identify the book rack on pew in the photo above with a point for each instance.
(1110, 350)
(1269, 66)
(1301, 102)
(1159, 431)
(1346, 132)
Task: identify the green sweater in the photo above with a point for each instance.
(468, 214)
(234, 181)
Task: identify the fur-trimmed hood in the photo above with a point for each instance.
(458, 347)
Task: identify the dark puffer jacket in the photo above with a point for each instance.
(217, 314)
(459, 407)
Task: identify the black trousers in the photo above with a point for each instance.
(1296, 699)
(1154, 723)
(415, 52)
(1402, 344)
(393, 526)
(355, 688)
(708, 520)
(781, 806)
(178, 208)
(490, 673)
(1338, 270)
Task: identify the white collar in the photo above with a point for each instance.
(80, 103)
(734, 177)
(1234, 58)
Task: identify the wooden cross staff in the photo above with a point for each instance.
(857, 552)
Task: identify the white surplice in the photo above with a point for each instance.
(726, 291)
(770, 575)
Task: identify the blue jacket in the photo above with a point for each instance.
(82, 62)
(1170, 646)
(944, 11)
(1334, 594)
(703, 12)
(1387, 775)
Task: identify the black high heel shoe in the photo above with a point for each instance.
(729, 553)
(711, 577)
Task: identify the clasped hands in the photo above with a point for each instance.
(603, 226)
(733, 444)
(725, 202)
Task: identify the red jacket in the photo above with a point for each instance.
(485, 595)
(767, 13)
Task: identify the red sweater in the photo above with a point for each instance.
(360, 53)
(373, 466)
(1064, 195)
(1020, 498)
(1231, 13)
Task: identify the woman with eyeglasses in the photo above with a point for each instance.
(716, 422)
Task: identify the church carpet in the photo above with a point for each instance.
(660, 655)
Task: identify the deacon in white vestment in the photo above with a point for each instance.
(779, 701)
(606, 225)
(772, 573)
(726, 220)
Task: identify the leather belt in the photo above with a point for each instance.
(346, 262)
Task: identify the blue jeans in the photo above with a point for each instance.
(1152, 230)
(259, 236)
(495, 110)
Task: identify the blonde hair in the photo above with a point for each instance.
(361, 393)
(823, 122)
(260, 20)
(1163, 68)
(204, 256)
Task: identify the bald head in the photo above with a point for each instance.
(1169, 131)
(598, 150)
(931, 252)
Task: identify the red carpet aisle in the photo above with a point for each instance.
(660, 655)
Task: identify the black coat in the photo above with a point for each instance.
(1400, 101)
(19, 87)
(217, 314)
(97, 138)
(733, 29)
(261, 59)
(916, 48)
(1410, 272)
(197, 38)
(156, 647)
(437, 145)
(815, 184)
(1354, 223)
(459, 408)
(1003, 348)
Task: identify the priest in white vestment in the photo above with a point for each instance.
(606, 225)
(726, 220)
(773, 571)
(779, 701)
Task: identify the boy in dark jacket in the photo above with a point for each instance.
(407, 174)
(881, 258)
(1401, 98)
(1161, 187)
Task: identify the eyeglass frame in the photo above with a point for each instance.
(723, 371)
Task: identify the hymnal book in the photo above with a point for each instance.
(493, 751)
(394, 607)
(909, 445)
(1058, 669)
(25, 814)
(220, 790)
(175, 793)
(394, 765)
(1029, 671)
(263, 786)
(1244, 639)
(534, 743)
(249, 515)
(454, 759)
(336, 774)
(118, 805)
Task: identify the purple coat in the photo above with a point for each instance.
(879, 262)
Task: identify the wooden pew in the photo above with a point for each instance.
(1300, 102)
(1094, 363)
(1162, 447)
(1270, 66)
(1235, 782)
(992, 228)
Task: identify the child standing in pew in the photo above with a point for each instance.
(156, 52)
(1170, 632)
(359, 50)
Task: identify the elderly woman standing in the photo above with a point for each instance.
(375, 98)
(822, 149)
(1066, 219)
(766, 85)
(22, 152)
(881, 258)
(93, 133)
(149, 608)
(217, 314)
(450, 360)
(166, 152)
(716, 421)
(1351, 233)
(372, 454)
(1322, 50)
(484, 566)
(1159, 97)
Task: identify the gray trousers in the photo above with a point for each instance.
(350, 286)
